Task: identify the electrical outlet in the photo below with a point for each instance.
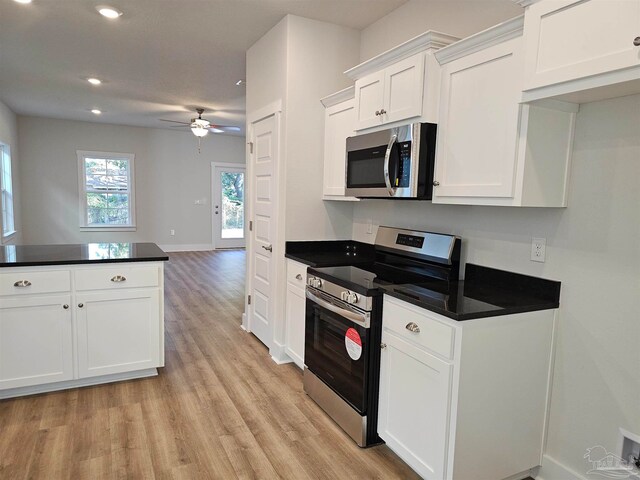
(370, 226)
(172, 232)
(538, 249)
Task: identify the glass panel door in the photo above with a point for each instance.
(228, 207)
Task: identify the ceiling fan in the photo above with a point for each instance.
(201, 126)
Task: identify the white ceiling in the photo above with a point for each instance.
(161, 59)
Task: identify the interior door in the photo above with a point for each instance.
(262, 254)
(228, 206)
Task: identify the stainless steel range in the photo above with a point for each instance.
(344, 322)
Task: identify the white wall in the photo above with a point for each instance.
(9, 136)
(170, 176)
(460, 18)
(318, 53)
(593, 248)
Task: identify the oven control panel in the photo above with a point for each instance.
(410, 240)
(349, 297)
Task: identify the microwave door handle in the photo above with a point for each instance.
(387, 156)
(357, 318)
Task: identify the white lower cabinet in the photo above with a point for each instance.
(83, 325)
(465, 400)
(36, 340)
(414, 405)
(295, 311)
(117, 331)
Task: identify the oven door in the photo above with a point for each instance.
(337, 337)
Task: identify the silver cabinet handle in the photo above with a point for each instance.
(383, 346)
(377, 113)
(269, 248)
(436, 183)
(383, 111)
(413, 327)
(118, 278)
(65, 306)
(636, 41)
(80, 305)
(298, 277)
(22, 283)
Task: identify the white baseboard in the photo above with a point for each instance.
(83, 382)
(244, 325)
(553, 470)
(194, 247)
(278, 354)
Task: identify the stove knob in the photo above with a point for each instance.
(317, 283)
(352, 298)
(344, 295)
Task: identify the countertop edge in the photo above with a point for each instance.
(45, 263)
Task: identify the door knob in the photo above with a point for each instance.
(636, 41)
(65, 306)
(80, 305)
(383, 346)
(269, 248)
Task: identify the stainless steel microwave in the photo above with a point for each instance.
(393, 163)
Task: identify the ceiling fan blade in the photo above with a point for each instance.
(225, 128)
(180, 126)
(173, 121)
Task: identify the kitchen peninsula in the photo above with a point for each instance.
(77, 315)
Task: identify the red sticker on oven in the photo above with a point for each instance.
(353, 342)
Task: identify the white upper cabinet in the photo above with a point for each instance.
(339, 121)
(398, 84)
(392, 94)
(582, 50)
(491, 150)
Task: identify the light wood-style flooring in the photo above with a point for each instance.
(221, 408)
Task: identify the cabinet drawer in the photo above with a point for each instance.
(296, 273)
(34, 282)
(117, 277)
(433, 335)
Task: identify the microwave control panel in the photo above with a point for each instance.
(404, 168)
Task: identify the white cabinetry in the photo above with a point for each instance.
(81, 325)
(339, 121)
(399, 84)
(491, 150)
(588, 46)
(295, 311)
(36, 340)
(464, 399)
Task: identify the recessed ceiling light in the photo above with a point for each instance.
(95, 111)
(109, 12)
(94, 81)
(23, 1)
(240, 82)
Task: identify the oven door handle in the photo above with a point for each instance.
(387, 157)
(358, 318)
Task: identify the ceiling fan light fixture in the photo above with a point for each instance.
(94, 81)
(198, 130)
(108, 12)
(24, 2)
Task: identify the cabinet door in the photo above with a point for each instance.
(571, 39)
(36, 338)
(403, 88)
(118, 331)
(414, 403)
(477, 134)
(339, 124)
(369, 100)
(295, 319)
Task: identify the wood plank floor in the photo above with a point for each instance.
(221, 408)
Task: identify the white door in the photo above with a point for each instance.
(228, 182)
(413, 415)
(262, 256)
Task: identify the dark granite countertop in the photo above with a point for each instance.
(331, 253)
(39, 255)
(485, 292)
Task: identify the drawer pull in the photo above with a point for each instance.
(298, 277)
(22, 283)
(80, 305)
(636, 41)
(65, 306)
(118, 278)
(413, 327)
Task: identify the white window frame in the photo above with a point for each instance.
(130, 157)
(8, 235)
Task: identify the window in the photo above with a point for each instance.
(107, 199)
(6, 187)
